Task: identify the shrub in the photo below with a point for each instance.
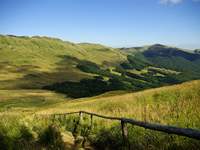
(84, 88)
(134, 63)
(118, 84)
(108, 139)
(25, 134)
(51, 138)
(87, 66)
(89, 87)
(5, 142)
(25, 140)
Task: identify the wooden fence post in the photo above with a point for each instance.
(124, 133)
(80, 117)
(91, 122)
(65, 117)
(75, 132)
(59, 118)
(54, 118)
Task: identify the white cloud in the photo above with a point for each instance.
(173, 2)
(170, 1)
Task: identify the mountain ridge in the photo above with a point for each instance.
(51, 63)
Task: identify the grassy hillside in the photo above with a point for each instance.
(75, 69)
(34, 62)
(172, 105)
(185, 62)
(42, 75)
(28, 100)
(175, 105)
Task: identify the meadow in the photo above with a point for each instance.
(43, 76)
(176, 105)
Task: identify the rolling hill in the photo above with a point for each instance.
(42, 75)
(176, 105)
(85, 69)
(34, 62)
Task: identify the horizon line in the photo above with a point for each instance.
(98, 43)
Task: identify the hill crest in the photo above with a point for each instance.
(38, 62)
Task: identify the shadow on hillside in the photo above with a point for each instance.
(70, 77)
(74, 77)
(34, 79)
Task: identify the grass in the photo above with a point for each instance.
(24, 131)
(174, 105)
(34, 62)
(27, 64)
(42, 56)
(28, 100)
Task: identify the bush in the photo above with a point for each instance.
(25, 140)
(89, 87)
(25, 134)
(5, 142)
(87, 66)
(108, 139)
(134, 63)
(118, 84)
(51, 138)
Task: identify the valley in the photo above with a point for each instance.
(43, 76)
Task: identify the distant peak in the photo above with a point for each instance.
(158, 45)
(197, 51)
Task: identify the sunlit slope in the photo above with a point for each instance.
(45, 52)
(85, 69)
(31, 62)
(28, 100)
(175, 105)
(185, 61)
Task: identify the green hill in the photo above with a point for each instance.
(85, 69)
(186, 63)
(42, 75)
(176, 105)
(32, 62)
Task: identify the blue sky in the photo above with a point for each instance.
(117, 23)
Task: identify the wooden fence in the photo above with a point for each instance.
(187, 132)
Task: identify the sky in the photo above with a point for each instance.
(116, 23)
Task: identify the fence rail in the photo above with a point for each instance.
(187, 132)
